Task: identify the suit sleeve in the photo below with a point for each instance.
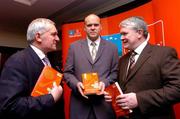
(169, 93)
(15, 96)
(69, 76)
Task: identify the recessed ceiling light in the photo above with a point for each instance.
(26, 2)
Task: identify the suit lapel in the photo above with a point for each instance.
(146, 53)
(85, 49)
(125, 66)
(34, 56)
(100, 50)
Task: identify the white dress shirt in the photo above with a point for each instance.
(40, 54)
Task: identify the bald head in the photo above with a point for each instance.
(90, 17)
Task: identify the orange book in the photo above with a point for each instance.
(114, 90)
(45, 81)
(90, 83)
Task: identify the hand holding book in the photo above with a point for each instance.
(91, 83)
(127, 101)
(101, 88)
(56, 91)
(80, 88)
(45, 81)
(114, 90)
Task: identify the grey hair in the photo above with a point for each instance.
(136, 23)
(39, 25)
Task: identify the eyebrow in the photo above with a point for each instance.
(96, 24)
(123, 33)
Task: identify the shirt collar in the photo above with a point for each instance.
(40, 54)
(96, 41)
(140, 48)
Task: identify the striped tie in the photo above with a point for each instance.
(132, 61)
(93, 51)
(46, 61)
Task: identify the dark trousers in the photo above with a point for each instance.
(91, 114)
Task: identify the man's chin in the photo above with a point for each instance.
(126, 47)
(53, 49)
(95, 37)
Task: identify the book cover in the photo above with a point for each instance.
(114, 90)
(91, 83)
(45, 81)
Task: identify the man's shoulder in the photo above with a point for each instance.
(78, 42)
(19, 56)
(160, 51)
(161, 48)
(109, 44)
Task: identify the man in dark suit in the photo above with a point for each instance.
(80, 61)
(152, 85)
(21, 72)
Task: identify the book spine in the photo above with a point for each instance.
(118, 87)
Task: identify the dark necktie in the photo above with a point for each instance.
(131, 61)
(93, 51)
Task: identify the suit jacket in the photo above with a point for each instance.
(18, 79)
(79, 61)
(155, 79)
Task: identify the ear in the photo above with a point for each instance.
(85, 27)
(140, 33)
(38, 37)
(100, 27)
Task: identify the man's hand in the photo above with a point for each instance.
(80, 89)
(127, 101)
(101, 87)
(107, 97)
(56, 91)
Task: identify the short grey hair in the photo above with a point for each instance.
(136, 23)
(40, 25)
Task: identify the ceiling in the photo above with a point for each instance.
(14, 14)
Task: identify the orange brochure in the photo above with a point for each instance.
(90, 83)
(45, 81)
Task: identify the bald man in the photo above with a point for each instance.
(80, 60)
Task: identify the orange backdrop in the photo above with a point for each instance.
(163, 23)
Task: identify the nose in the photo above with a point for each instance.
(93, 27)
(57, 38)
